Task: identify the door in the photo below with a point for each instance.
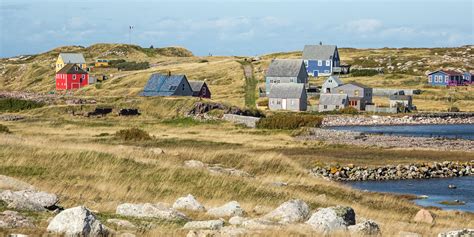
(75, 85)
(315, 73)
(283, 104)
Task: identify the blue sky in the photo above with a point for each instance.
(231, 27)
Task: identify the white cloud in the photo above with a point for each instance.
(363, 25)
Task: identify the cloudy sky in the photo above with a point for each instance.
(231, 27)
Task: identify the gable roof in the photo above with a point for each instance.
(358, 84)
(334, 79)
(447, 72)
(287, 90)
(162, 85)
(196, 86)
(72, 58)
(332, 99)
(285, 68)
(322, 52)
(71, 68)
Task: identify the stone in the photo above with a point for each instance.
(9, 183)
(259, 224)
(194, 164)
(227, 210)
(206, 225)
(157, 151)
(457, 233)
(424, 216)
(332, 219)
(236, 220)
(158, 210)
(29, 200)
(12, 219)
(188, 203)
(408, 234)
(122, 223)
(365, 228)
(77, 221)
(260, 210)
(289, 212)
(227, 231)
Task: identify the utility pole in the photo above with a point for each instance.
(130, 28)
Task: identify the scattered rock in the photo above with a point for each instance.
(259, 224)
(77, 221)
(289, 212)
(12, 219)
(332, 219)
(206, 225)
(194, 164)
(158, 210)
(458, 233)
(227, 231)
(365, 228)
(157, 151)
(188, 203)
(260, 210)
(9, 183)
(424, 216)
(227, 210)
(29, 200)
(122, 223)
(236, 220)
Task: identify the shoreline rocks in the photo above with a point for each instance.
(395, 172)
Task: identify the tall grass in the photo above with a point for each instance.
(289, 121)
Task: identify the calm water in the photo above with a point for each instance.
(464, 131)
(436, 189)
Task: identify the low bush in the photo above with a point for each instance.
(364, 72)
(454, 109)
(131, 66)
(4, 129)
(15, 105)
(348, 110)
(132, 134)
(289, 121)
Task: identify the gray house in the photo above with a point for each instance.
(288, 96)
(331, 83)
(285, 71)
(359, 95)
(167, 85)
(330, 102)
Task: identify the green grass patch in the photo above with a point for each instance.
(16, 105)
(289, 121)
(133, 134)
(188, 122)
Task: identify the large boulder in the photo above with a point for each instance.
(424, 216)
(188, 203)
(77, 221)
(227, 210)
(458, 233)
(9, 183)
(289, 212)
(332, 219)
(365, 228)
(29, 200)
(12, 219)
(158, 210)
(204, 225)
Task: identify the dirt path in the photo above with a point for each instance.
(250, 86)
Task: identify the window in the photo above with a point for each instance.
(183, 87)
(320, 63)
(306, 63)
(291, 80)
(341, 92)
(330, 81)
(74, 77)
(343, 101)
(430, 78)
(204, 91)
(356, 92)
(292, 102)
(328, 63)
(75, 68)
(325, 106)
(326, 71)
(83, 76)
(278, 102)
(337, 106)
(172, 88)
(446, 79)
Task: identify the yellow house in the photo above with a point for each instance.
(74, 58)
(102, 63)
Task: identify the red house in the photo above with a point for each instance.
(71, 77)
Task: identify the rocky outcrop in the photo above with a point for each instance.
(422, 118)
(365, 228)
(204, 225)
(332, 219)
(9, 183)
(391, 172)
(29, 200)
(424, 216)
(289, 212)
(158, 210)
(77, 221)
(13, 219)
(457, 233)
(227, 210)
(188, 203)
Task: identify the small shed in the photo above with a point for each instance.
(331, 83)
(288, 96)
(331, 102)
(200, 89)
(167, 85)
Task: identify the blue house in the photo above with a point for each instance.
(167, 85)
(445, 78)
(320, 60)
(468, 78)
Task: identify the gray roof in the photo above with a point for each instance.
(72, 58)
(320, 52)
(400, 97)
(335, 79)
(196, 86)
(287, 90)
(358, 84)
(332, 99)
(162, 85)
(285, 68)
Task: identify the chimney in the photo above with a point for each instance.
(320, 42)
(169, 73)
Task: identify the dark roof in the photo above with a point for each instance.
(287, 90)
(320, 52)
(285, 68)
(162, 85)
(400, 97)
(448, 72)
(332, 99)
(196, 86)
(72, 58)
(71, 68)
(358, 84)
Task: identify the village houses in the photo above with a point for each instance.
(288, 96)
(200, 89)
(175, 85)
(359, 95)
(445, 78)
(320, 60)
(71, 77)
(331, 83)
(331, 102)
(70, 58)
(285, 71)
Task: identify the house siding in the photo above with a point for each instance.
(292, 104)
(358, 99)
(71, 81)
(184, 89)
(313, 68)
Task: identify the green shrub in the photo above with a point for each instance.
(4, 129)
(130, 66)
(15, 105)
(454, 109)
(113, 63)
(364, 72)
(348, 110)
(132, 134)
(289, 121)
